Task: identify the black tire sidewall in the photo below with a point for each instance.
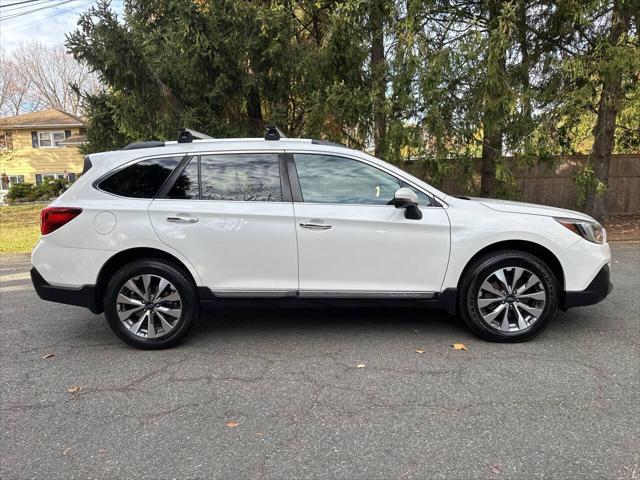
(486, 265)
(182, 283)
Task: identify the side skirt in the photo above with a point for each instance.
(445, 300)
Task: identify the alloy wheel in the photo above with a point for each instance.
(149, 306)
(511, 299)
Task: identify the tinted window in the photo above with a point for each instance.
(142, 179)
(186, 185)
(329, 179)
(239, 177)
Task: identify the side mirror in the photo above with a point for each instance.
(407, 199)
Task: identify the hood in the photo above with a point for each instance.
(509, 206)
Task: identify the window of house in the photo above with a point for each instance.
(50, 139)
(6, 141)
(245, 177)
(8, 180)
(40, 177)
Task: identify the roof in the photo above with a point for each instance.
(51, 118)
(77, 139)
(105, 162)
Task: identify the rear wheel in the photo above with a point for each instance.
(508, 296)
(151, 304)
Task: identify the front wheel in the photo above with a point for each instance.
(508, 296)
(151, 304)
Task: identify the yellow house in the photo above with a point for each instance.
(40, 145)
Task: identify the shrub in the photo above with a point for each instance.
(21, 192)
(27, 192)
(51, 188)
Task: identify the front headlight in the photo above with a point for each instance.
(592, 231)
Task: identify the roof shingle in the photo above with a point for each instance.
(44, 118)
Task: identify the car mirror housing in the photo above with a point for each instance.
(407, 199)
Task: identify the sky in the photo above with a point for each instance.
(45, 21)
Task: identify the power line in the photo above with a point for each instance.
(22, 7)
(20, 14)
(18, 3)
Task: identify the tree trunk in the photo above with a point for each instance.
(605, 129)
(254, 104)
(494, 102)
(378, 74)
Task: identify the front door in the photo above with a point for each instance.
(353, 242)
(228, 214)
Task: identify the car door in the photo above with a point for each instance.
(352, 242)
(229, 214)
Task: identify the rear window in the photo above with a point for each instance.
(250, 177)
(142, 179)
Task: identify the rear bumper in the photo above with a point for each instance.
(84, 296)
(597, 291)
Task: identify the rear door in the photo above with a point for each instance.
(231, 215)
(353, 242)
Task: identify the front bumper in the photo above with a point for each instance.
(597, 291)
(84, 296)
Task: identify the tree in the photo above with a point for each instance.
(615, 69)
(36, 76)
(13, 91)
(55, 79)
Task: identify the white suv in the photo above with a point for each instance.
(152, 233)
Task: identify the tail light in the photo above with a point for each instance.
(52, 218)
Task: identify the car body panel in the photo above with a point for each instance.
(235, 246)
(371, 248)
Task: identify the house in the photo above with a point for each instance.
(39, 145)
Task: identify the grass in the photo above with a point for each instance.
(19, 228)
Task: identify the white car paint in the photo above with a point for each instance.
(258, 249)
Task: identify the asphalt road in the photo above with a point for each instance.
(565, 405)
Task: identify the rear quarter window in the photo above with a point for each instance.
(142, 179)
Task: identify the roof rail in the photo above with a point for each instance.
(273, 133)
(149, 144)
(327, 143)
(186, 135)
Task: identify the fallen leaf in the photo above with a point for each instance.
(495, 468)
(74, 390)
(259, 434)
(460, 346)
(67, 451)
(361, 365)
(232, 424)
(419, 351)
(48, 355)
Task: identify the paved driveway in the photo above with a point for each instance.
(565, 405)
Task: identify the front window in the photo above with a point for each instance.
(331, 179)
(8, 180)
(248, 177)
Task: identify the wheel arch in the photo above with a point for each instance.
(543, 253)
(127, 256)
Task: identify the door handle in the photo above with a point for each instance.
(182, 219)
(315, 226)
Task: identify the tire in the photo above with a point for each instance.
(173, 313)
(528, 311)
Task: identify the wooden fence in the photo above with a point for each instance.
(547, 185)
